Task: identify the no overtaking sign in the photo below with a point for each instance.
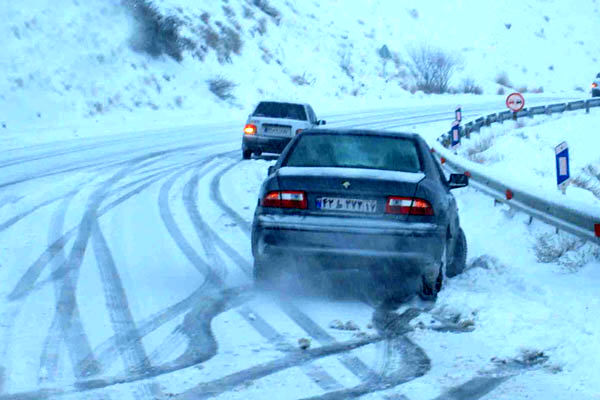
(515, 102)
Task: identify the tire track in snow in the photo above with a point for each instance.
(13, 220)
(49, 359)
(66, 325)
(209, 238)
(27, 284)
(128, 339)
(28, 281)
(402, 361)
(352, 363)
(298, 358)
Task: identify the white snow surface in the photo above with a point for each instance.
(69, 71)
(125, 261)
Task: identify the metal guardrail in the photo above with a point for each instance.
(571, 218)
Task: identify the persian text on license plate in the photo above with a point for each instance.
(277, 130)
(341, 204)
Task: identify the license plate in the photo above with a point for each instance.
(277, 131)
(352, 205)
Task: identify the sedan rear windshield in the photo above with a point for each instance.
(355, 151)
(280, 110)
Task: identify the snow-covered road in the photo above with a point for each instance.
(125, 272)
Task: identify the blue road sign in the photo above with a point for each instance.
(562, 165)
(455, 133)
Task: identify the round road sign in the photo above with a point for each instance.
(515, 102)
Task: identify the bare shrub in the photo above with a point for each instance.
(538, 90)
(248, 13)
(346, 64)
(266, 56)
(225, 42)
(229, 13)
(414, 13)
(565, 250)
(579, 89)
(522, 89)
(261, 26)
(222, 88)
(432, 68)
(469, 86)
(478, 147)
(588, 179)
(265, 7)
(502, 79)
(156, 34)
(501, 90)
(302, 80)
(205, 17)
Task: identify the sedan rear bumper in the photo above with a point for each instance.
(342, 243)
(264, 144)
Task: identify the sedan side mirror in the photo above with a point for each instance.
(458, 180)
(271, 170)
(321, 122)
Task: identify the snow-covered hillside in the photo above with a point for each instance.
(74, 63)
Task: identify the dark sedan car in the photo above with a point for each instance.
(340, 199)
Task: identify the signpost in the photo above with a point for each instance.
(458, 114)
(455, 134)
(515, 102)
(562, 166)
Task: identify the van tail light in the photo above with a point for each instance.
(285, 199)
(250, 129)
(408, 206)
(594, 85)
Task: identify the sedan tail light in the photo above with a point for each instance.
(250, 129)
(594, 85)
(285, 199)
(408, 206)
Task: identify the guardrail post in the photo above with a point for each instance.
(514, 116)
(587, 106)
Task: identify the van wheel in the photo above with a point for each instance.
(246, 154)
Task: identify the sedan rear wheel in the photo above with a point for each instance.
(263, 272)
(246, 154)
(459, 260)
(432, 284)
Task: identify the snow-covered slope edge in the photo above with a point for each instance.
(74, 64)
